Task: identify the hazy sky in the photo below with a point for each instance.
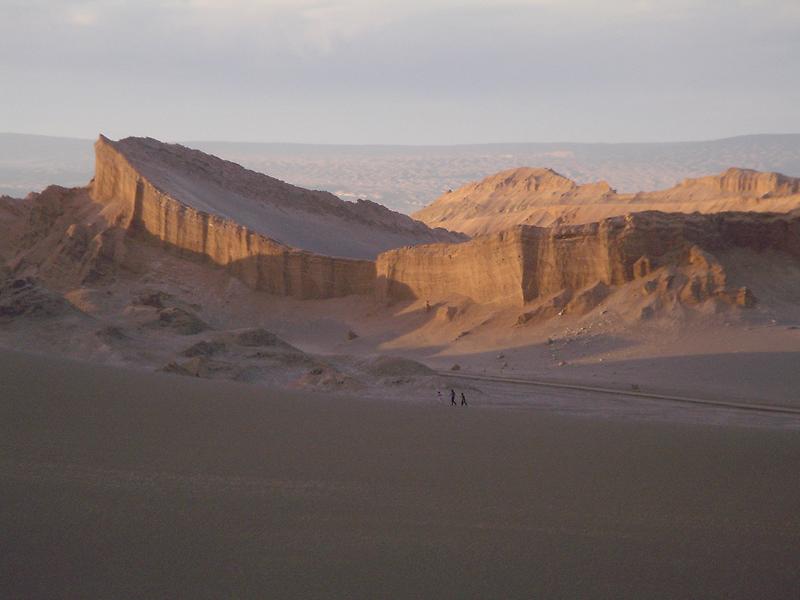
(410, 71)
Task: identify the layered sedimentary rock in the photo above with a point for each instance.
(542, 197)
(262, 263)
(744, 183)
(314, 221)
(198, 206)
(529, 263)
(274, 236)
(11, 211)
(486, 269)
(66, 238)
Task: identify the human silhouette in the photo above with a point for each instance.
(463, 399)
(453, 398)
(439, 395)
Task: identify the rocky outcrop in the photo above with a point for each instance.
(262, 263)
(11, 214)
(575, 265)
(745, 182)
(542, 197)
(26, 298)
(258, 228)
(302, 219)
(65, 238)
(486, 269)
(82, 235)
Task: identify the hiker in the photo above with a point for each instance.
(463, 399)
(453, 398)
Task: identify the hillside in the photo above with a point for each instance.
(542, 197)
(308, 220)
(273, 236)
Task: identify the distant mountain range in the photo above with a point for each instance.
(406, 178)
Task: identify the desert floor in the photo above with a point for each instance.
(118, 483)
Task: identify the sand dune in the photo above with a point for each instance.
(248, 419)
(131, 484)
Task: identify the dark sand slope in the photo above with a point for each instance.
(122, 484)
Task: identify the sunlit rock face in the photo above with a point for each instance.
(542, 197)
(198, 206)
(525, 264)
(262, 263)
(314, 221)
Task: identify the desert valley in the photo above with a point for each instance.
(424, 299)
(247, 384)
(174, 260)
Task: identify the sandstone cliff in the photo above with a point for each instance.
(744, 182)
(11, 212)
(133, 204)
(527, 263)
(485, 269)
(83, 234)
(309, 220)
(542, 197)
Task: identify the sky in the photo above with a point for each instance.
(400, 72)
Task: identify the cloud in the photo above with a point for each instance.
(433, 70)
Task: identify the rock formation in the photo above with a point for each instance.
(486, 269)
(198, 205)
(155, 263)
(542, 197)
(576, 264)
(164, 181)
(262, 230)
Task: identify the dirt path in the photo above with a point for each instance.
(761, 408)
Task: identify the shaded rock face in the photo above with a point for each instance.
(155, 299)
(111, 334)
(202, 366)
(204, 348)
(261, 338)
(567, 302)
(745, 297)
(256, 355)
(578, 265)
(180, 321)
(542, 197)
(64, 238)
(12, 215)
(26, 298)
(394, 366)
(262, 263)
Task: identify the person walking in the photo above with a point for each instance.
(463, 399)
(453, 398)
(439, 396)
